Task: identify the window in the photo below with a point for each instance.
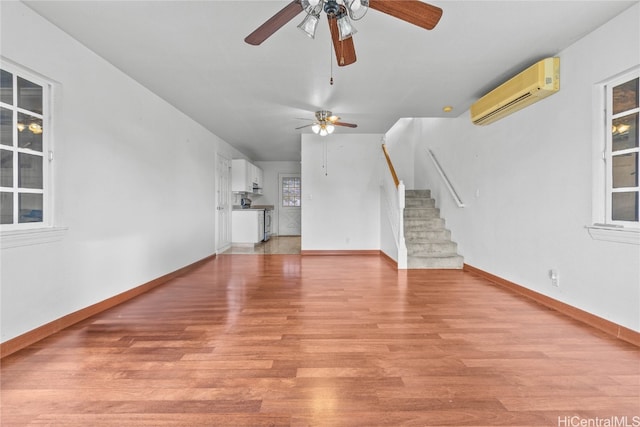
(616, 160)
(24, 150)
(621, 155)
(291, 191)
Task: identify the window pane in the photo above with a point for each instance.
(625, 132)
(6, 126)
(30, 206)
(6, 87)
(625, 96)
(30, 171)
(625, 170)
(29, 96)
(23, 143)
(29, 132)
(6, 208)
(624, 206)
(6, 168)
(291, 192)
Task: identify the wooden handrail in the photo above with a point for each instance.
(391, 168)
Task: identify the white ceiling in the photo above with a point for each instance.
(193, 55)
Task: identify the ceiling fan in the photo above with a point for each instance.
(325, 123)
(338, 13)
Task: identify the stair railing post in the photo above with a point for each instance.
(402, 247)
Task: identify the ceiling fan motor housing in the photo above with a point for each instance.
(331, 7)
(323, 115)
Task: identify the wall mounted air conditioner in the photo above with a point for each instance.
(533, 84)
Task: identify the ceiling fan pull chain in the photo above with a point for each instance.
(331, 63)
(326, 159)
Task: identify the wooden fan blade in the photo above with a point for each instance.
(345, 51)
(305, 126)
(349, 125)
(413, 11)
(274, 23)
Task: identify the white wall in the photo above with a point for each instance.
(134, 181)
(400, 141)
(527, 182)
(340, 192)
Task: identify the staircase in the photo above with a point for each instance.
(428, 243)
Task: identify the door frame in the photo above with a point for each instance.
(281, 208)
(222, 227)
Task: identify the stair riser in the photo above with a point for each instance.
(411, 224)
(417, 193)
(429, 249)
(426, 213)
(455, 262)
(420, 203)
(427, 235)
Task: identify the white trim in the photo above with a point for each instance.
(32, 236)
(610, 154)
(46, 154)
(598, 154)
(614, 234)
(603, 227)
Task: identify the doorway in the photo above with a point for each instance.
(223, 203)
(289, 204)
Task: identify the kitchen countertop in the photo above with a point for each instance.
(253, 208)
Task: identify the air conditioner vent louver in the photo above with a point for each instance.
(533, 84)
(501, 111)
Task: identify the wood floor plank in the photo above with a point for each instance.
(290, 340)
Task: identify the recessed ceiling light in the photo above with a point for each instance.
(447, 109)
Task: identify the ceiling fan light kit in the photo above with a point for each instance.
(326, 123)
(323, 129)
(345, 29)
(334, 10)
(310, 24)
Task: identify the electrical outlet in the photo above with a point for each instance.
(555, 278)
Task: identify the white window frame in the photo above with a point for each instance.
(603, 227)
(284, 197)
(23, 234)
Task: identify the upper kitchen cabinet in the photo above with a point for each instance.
(257, 178)
(241, 176)
(245, 177)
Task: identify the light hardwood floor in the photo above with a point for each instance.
(289, 340)
(275, 245)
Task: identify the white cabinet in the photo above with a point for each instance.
(256, 175)
(245, 177)
(247, 226)
(240, 176)
(259, 179)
